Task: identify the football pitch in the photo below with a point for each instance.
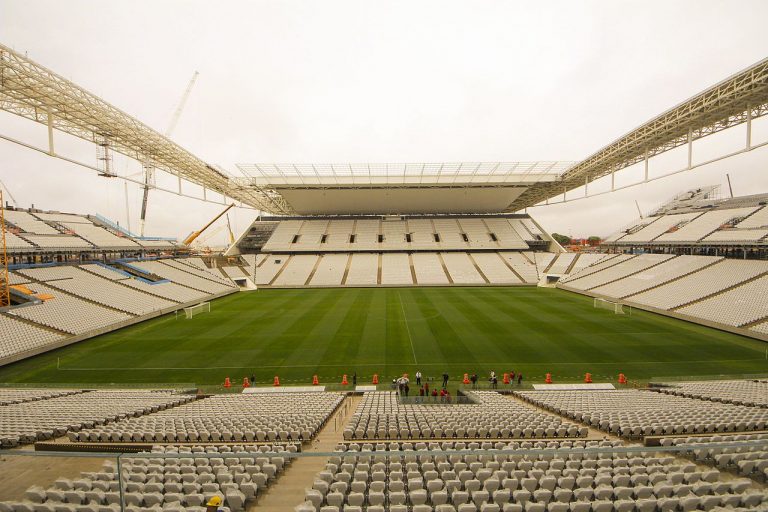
(296, 334)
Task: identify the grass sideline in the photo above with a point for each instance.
(329, 332)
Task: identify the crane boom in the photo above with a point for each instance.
(149, 169)
(191, 238)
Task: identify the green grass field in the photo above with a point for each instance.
(329, 332)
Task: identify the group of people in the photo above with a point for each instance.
(402, 384)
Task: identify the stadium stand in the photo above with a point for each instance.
(636, 413)
(330, 270)
(395, 268)
(428, 268)
(20, 336)
(562, 263)
(522, 266)
(381, 416)
(462, 269)
(738, 307)
(746, 458)
(297, 270)
(9, 396)
(56, 415)
(421, 479)
(740, 392)
(293, 417)
(623, 268)
(269, 268)
(363, 269)
(495, 269)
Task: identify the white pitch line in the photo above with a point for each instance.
(407, 328)
(498, 363)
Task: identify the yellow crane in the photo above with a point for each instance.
(191, 238)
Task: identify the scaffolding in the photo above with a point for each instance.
(5, 293)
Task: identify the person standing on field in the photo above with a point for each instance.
(418, 378)
(445, 379)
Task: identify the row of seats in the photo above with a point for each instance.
(610, 480)
(740, 392)
(166, 479)
(293, 417)
(747, 455)
(636, 413)
(55, 416)
(380, 415)
(9, 396)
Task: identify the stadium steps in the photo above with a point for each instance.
(700, 299)
(413, 270)
(445, 269)
(288, 491)
(285, 265)
(314, 269)
(346, 268)
(474, 263)
(573, 264)
(511, 268)
(629, 297)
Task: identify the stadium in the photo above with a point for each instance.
(370, 337)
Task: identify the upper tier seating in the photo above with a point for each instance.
(740, 392)
(381, 416)
(240, 418)
(28, 223)
(654, 276)
(759, 219)
(610, 480)
(99, 236)
(704, 224)
(658, 227)
(371, 234)
(58, 242)
(611, 273)
(643, 413)
(705, 282)
(53, 417)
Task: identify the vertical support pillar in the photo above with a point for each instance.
(565, 189)
(646, 165)
(613, 180)
(50, 132)
(690, 148)
(586, 186)
(179, 177)
(205, 196)
(749, 128)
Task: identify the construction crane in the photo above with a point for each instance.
(191, 238)
(149, 168)
(8, 191)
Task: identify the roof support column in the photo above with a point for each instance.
(586, 186)
(613, 180)
(749, 128)
(690, 148)
(50, 132)
(646, 165)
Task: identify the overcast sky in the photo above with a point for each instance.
(363, 81)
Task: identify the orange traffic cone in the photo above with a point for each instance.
(315, 382)
(344, 380)
(466, 379)
(622, 379)
(588, 378)
(227, 383)
(246, 383)
(375, 378)
(506, 378)
(548, 378)
(276, 383)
